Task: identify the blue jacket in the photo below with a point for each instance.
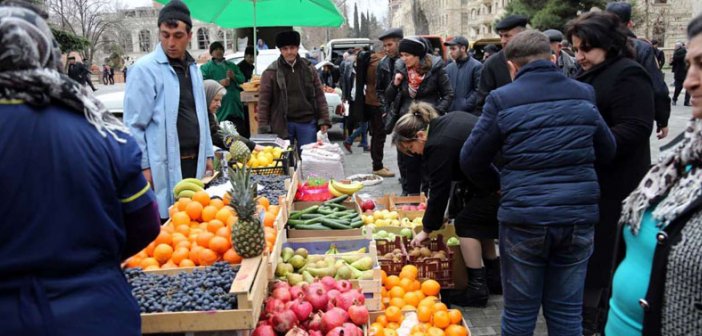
(464, 79)
(151, 113)
(550, 134)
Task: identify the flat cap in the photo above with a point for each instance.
(491, 48)
(458, 40)
(620, 9)
(554, 35)
(392, 32)
(511, 22)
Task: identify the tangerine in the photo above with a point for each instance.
(376, 329)
(392, 281)
(214, 225)
(180, 254)
(264, 202)
(405, 283)
(209, 213)
(224, 232)
(184, 229)
(194, 254)
(411, 298)
(146, 262)
(455, 316)
(409, 307)
(416, 285)
(456, 330)
(194, 210)
(217, 203)
(424, 313)
(397, 292)
(182, 202)
(430, 287)
(203, 239)
(440, 306)
(232, 257)
(224, 213)
(202, 197)
(207, 257)
(382, 320)
(180, 218)
(162, 253)
(152, 268)
(150, 249)
(169, 265)
(393, 326)
(219, 245)
(275, 209)
(441, 319)
(163, 238)
(409, 272)
(394, 314)
(389, 332)
(383, 277)
(186, 263)
(133, 262)
(434, 331)
(397, 302)
(268, 219)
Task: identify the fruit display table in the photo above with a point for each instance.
(250, 99)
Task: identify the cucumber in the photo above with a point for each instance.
(295, 214)
(325, 211)
(312, 227)
(337, 200)
(295, 222)
(309, 210)
(356, 224)
(349, 216)
(333, 224)
(337, 206)
(310, 216)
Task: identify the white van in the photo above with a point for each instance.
(336, 47)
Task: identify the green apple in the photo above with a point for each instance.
(453, 241)
(406, 233)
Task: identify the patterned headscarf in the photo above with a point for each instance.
(30, 71)
(673, 183)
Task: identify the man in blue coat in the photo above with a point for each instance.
(464, 75)
(550, 133)
(165, 109)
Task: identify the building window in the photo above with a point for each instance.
(203, 39)
(472, 13)
(125, 39)
(145, 41)
(464, 3)
(489, 9)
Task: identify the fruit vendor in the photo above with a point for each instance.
(438, 140)
(173, 134)
(76, 201)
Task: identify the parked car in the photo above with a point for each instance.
(113, 101)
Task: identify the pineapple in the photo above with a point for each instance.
(248, 237)
(240, 152)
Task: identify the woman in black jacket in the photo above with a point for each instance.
(418, 77)
(438, 141)
(625, 98)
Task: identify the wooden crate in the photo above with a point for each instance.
(355, 233)
(396, 201)
(373, 315)
(249, 286)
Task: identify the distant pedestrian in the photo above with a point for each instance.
(247, 64)
(124, 73)
(261, 45)
(566, 47)
(463, 74)
(79, 73)
(105, 74)
(679, 72)
(549, 204)
(660, 55)
(111, 76)
(564, 61)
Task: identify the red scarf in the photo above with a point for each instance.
(414, 81)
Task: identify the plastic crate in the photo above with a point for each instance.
(281, 166)
(389, 266)
(434, 268)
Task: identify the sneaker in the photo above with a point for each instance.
(384, 172)
(348, 147)
(366, 149)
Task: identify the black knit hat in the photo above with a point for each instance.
(620, 9)
(413, 46)
(216, 45)
(287, 38)
(177, 10)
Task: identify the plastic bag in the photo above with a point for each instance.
(308, 193)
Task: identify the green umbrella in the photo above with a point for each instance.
(265, 13)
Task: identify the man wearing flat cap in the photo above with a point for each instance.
(495, 70)
(165, 108)
(464, 75)
(564, 61)
(646, 56)
(291, 102)
(230, 76)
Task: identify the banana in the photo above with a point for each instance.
(333, 191)
(195, 181)
(185, 194)
(181, 186)
(347, 188)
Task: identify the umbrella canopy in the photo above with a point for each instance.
(265, 13)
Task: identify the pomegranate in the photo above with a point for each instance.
(359, 296)
(351, 329)
(318, 298)
(281, 284)
(315, 286)
(282, 294)
(345, 300)
(358, 313)
(301, 308)
(315, 322)
(343, 286)
(264, 330)
(296, 291)
(273, 306)
(332, 294)
(328, 282)
(296, 331)
(335, 317)
(316, 333)
(283, 321)
(338, 331)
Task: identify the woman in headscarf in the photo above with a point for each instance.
(214, 92)
(76, 203)
(662, 233)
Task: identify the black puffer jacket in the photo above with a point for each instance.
(435, 90)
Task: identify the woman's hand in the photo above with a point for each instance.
(259, 148)
(419, 238)
(398, 79)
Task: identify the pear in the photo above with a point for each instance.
(287, 254)
(363, 264)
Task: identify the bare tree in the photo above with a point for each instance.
(89, 19)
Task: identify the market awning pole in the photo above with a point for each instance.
(255, 39)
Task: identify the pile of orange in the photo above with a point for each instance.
(199, 234)
(406, 293)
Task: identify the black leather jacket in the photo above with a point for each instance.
(383, 78)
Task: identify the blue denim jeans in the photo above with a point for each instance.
(544, 266)
(361, 130)
(304, 133)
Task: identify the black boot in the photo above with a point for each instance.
(476, 294)
(494, 276)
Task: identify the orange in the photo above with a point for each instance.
(268, 219)
(224, 213)
(275, 209)
(434, 331)
(227, 198)
(208, 213)
(168, 228)
(405, 283)
(133, 262)
(397, 292)
(194, 224)
(152, 268)
(411, 298)
(231, 220)
(394, 314)
(203, 239)
(383, 277)
(194, 254)
(169, 265)
(455, 316)
(182, 202)
(207, 257)
(163, 238)
(390, 332)
(392, 281)
(264, 202)
(408, 307)
(430, 287)
(397, 302)
(194, 210)
(410, 272)
(146, 262)
(184, 229)
(456, 330)
(142, 254)
(150, 249)
(420, 295)
(270, 234)
(418, 333)
(217, 203)
(162, 253)
(441, 319)
(180, 218)
(416, 285)
(382, 320)
(202, 197)
(393, 326)
(420, 327)
(219, 245)
(424, 313)
(214, 225)
(376, 329)
(185, 243)
(440, 306)
(232, 257)
(224, 232)
(180, 254)
(186, 263)
(172, 210)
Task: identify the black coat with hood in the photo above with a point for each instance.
(435, 89)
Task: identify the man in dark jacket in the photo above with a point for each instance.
(291, 100)
(247, 64)
(384, 72)
(495, 72)
(464, 75)
(679, 72)
(79, 72)
(660, 55)
(550, 134)
(564, 61)
(646, 57)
